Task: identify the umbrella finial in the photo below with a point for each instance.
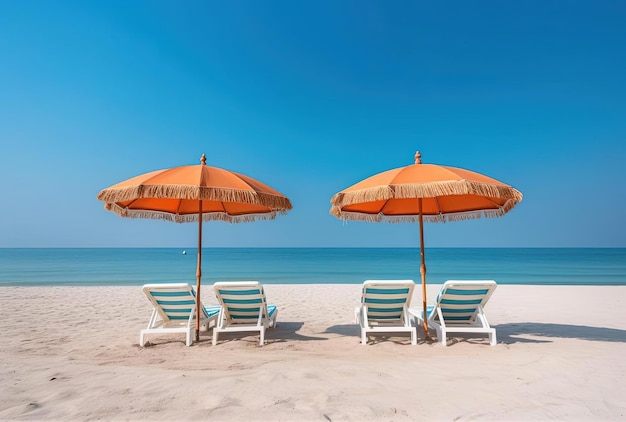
(418, 157)
(203, 160)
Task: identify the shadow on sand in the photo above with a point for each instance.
(283, 332)
(288, 331)
(349, 330)
(509, 333)
(514, 333)
(353, 330)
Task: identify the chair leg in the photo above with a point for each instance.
(262, 335)
(215, 334)
(492, 338)
(442, 336)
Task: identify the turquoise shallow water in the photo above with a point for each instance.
(137, 266)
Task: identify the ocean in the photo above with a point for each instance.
(137, 266)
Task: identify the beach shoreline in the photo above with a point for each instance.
(72, 353)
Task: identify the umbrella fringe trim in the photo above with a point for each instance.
(439, 218)
(425, 190)
(189, 218)
(274, 202)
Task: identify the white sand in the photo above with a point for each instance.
(72, 353)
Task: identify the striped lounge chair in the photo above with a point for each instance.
(243, 307)
(460, 309)
(174, 311)
(384, 308)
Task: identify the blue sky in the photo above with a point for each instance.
(310, 97)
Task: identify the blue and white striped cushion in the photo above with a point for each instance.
(384, 303)
(244, 304)
(461, 304)
(177, 304)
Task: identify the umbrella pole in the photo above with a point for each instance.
(423, 268)
(199, 270)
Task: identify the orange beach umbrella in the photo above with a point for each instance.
(424, 192)
(195, 193)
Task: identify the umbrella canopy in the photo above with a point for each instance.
(424, 192)
(195, 193)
